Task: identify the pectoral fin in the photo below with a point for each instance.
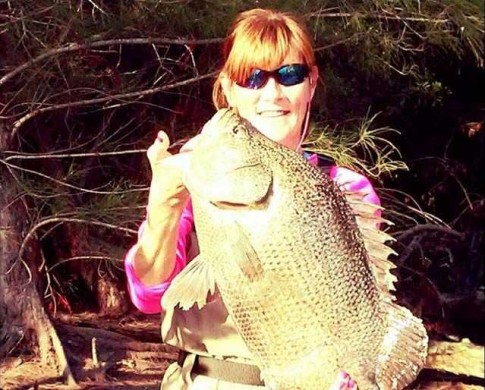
(191, 286)
(241, 252)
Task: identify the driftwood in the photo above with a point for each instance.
(448, 385)
(459, 358)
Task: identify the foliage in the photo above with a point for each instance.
(361, 148)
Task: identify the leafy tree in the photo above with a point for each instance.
(85, 86)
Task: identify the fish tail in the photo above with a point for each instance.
(403, 350)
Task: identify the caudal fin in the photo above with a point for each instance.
(404, 348)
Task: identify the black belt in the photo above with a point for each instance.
(225, 370)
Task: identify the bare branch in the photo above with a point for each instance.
(81, 46)
(48, 221)
(340, 15)
(342, 41)
(120, 97)
(429, 228)
(88, 257)
(18, 156)
(62, 183)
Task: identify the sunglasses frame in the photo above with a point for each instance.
(301, 71)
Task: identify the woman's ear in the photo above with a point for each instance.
(226, 85)
(313, 80)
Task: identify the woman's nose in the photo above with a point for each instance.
(271, 90)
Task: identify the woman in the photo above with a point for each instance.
(269, 75)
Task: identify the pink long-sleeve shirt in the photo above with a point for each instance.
(147, 298)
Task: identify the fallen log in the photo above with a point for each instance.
(459, 358)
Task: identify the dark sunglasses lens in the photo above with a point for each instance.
(286, 75)
(292, 74)
(257, 79)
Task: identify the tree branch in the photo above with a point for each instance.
(34, 156)
(73, 258)
(70, 47)
(48, 221)
(429, 228)
(62, 183)
(341, 15)
(17, 124)
(342, 41)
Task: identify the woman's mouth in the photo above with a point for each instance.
(272, 113)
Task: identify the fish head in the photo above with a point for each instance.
(226, 165)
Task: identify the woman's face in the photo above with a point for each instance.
(276, 110)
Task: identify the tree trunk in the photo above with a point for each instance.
(10, 268)
(24, 320)
(112, 300)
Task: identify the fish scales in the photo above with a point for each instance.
(283, 246)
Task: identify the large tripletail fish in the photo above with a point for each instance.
(303, 273)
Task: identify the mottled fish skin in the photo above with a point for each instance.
(292, 268)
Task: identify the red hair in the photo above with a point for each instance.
(261, 38)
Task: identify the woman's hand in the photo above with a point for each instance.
(155, 258)
(156, 255)
(167, 172)
(344, 382)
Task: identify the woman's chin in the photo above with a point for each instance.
(275, 128)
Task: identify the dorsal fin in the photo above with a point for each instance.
(368, 219)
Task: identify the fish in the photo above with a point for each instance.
(300, 265)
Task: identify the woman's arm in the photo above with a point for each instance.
(147, 297)
(355, 182)
(160, 252)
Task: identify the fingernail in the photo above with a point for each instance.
(162, 136)
(343, 375)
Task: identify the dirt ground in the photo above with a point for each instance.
(128, 354)
(103, 353)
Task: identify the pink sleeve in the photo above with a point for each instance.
(353, 181)
(349, 180)
(147, 298)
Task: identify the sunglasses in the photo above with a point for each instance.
(287, 75)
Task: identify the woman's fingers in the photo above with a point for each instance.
(352, 385)
(162, 137)
(158, 150)
(344, 382)
(160, 157)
